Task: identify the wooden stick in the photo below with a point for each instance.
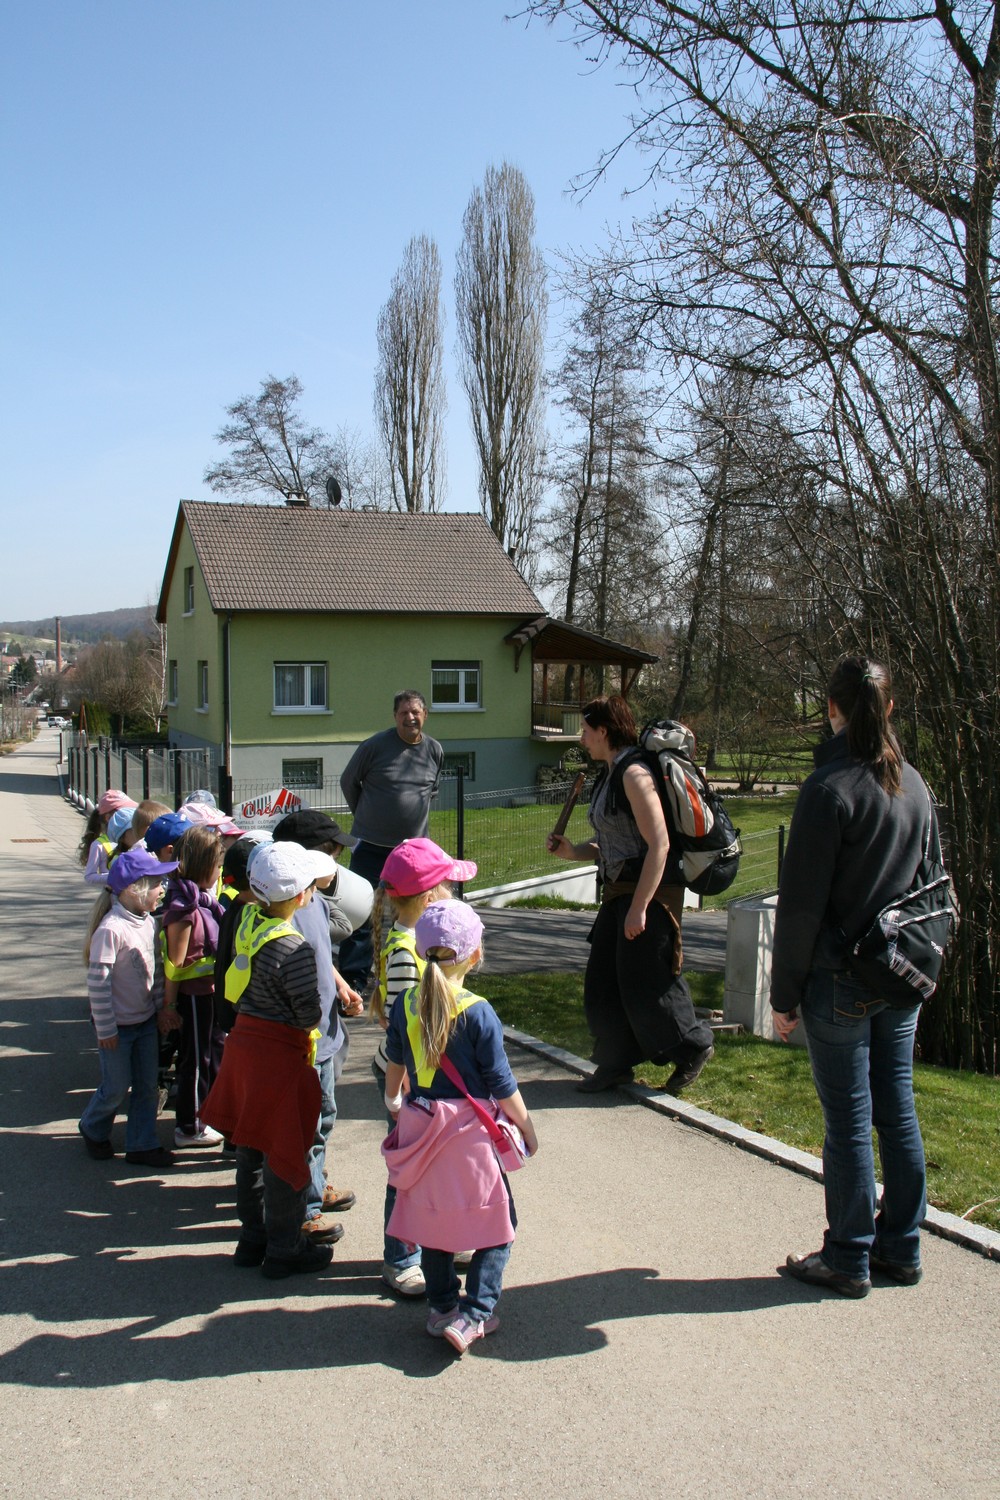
(568, 806)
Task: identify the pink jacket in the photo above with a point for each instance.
(450, 1192)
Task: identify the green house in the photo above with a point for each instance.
(289, 630)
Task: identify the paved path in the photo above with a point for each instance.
(521, 941)
(647, 1347)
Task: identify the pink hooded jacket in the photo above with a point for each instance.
(450, 1192)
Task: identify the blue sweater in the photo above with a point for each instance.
(475, 1048)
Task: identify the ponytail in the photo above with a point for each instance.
(376, 1005)
(862, 691)
(95, 825)
(436, 1005)
(101, 908)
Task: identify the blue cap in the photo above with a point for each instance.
(119, 822)
(165, 830)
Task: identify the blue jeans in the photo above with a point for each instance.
(395, 1252)
(133, 1064)
(861, 1053)
(483, 1281)
(357, 952)
(329, 1071)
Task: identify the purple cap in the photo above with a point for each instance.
(449, 924)
(133, 865)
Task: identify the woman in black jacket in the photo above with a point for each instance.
(861, 825)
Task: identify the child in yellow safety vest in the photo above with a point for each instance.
(267, 1096)
(95, 847)
(417, 872)
(189, 937)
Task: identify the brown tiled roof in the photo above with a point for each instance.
(287, 558)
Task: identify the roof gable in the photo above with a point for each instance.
(267, 558)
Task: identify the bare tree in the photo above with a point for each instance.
(500, 308)
(833, 177)
(125, 678)
(272, 452)
(409, 382)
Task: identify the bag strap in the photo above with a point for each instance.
(485, 1118)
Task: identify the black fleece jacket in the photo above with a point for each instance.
(852, 848)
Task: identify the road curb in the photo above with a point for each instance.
(948, 1226)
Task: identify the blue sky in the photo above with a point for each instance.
(201, 192)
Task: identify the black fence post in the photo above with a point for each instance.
(107, 765)
(125, 772)
(145, 773)
(95, 752)
(178, 778)
(225, 791)
(781, 849)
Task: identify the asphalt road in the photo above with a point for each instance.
(647, 1346)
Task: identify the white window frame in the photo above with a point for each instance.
(464, 669)
(309, 669)
(293, 783)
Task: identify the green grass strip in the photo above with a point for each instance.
(768, 1087)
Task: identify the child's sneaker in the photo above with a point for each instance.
(438, 1322)
(408, 1281)
(463, 1330)
(206, 1136)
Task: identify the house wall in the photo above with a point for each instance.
(192, 638)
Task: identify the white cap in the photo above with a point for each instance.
(277, 872)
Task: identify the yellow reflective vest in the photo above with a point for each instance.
(463, 1000)
(253, 930)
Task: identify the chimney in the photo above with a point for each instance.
(58, 644)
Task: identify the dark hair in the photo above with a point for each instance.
(862, 690)
(613, 714)
(405, 697)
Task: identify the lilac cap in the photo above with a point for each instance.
(133, 865)
(449, 924)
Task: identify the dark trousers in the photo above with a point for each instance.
(357, 952)
(199, 1058)
(269, 1209)
(637, 1009)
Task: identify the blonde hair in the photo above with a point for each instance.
(436, 1001)
(99, 911)
(198, 853)
(404, 909)
(147, 812)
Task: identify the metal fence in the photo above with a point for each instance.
(143, 771)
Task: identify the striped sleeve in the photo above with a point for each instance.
(103, 952)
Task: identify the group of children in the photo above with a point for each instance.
(225, 940)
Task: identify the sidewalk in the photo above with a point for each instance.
(647, 1346)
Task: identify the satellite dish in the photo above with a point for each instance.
(333, 491)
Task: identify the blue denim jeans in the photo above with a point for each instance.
(133, 1064)
(395, 1252)
(861, 1053)
(483, 1281)
(357, 952)
(329, 1071)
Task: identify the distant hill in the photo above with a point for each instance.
(82, 630)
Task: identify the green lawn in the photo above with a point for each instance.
(767, 1087)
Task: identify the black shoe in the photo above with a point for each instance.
(814, 1270)
(903, 1275)
(99, 1150)
(604, 1078)
(686, 1073)
(312, 1258)
(158, 1156)
(249, 1252)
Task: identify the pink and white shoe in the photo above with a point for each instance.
(463, 1330)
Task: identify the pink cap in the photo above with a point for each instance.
(112, 800)
(418, 865)
(212, 817)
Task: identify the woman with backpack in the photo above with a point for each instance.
(862, 828)
(636, 1001)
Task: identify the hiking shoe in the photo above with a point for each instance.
(337, 1200)
(99, 1150)
(438, 1322)
(312, 1258)
(903, 1275)
(408, 1281)
(686, 1073)
(157, 1156)
(323, 1229)
(206, 1136)
(463, 1330)
(603, 1078)
(814, 1270)
(249, 1252)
